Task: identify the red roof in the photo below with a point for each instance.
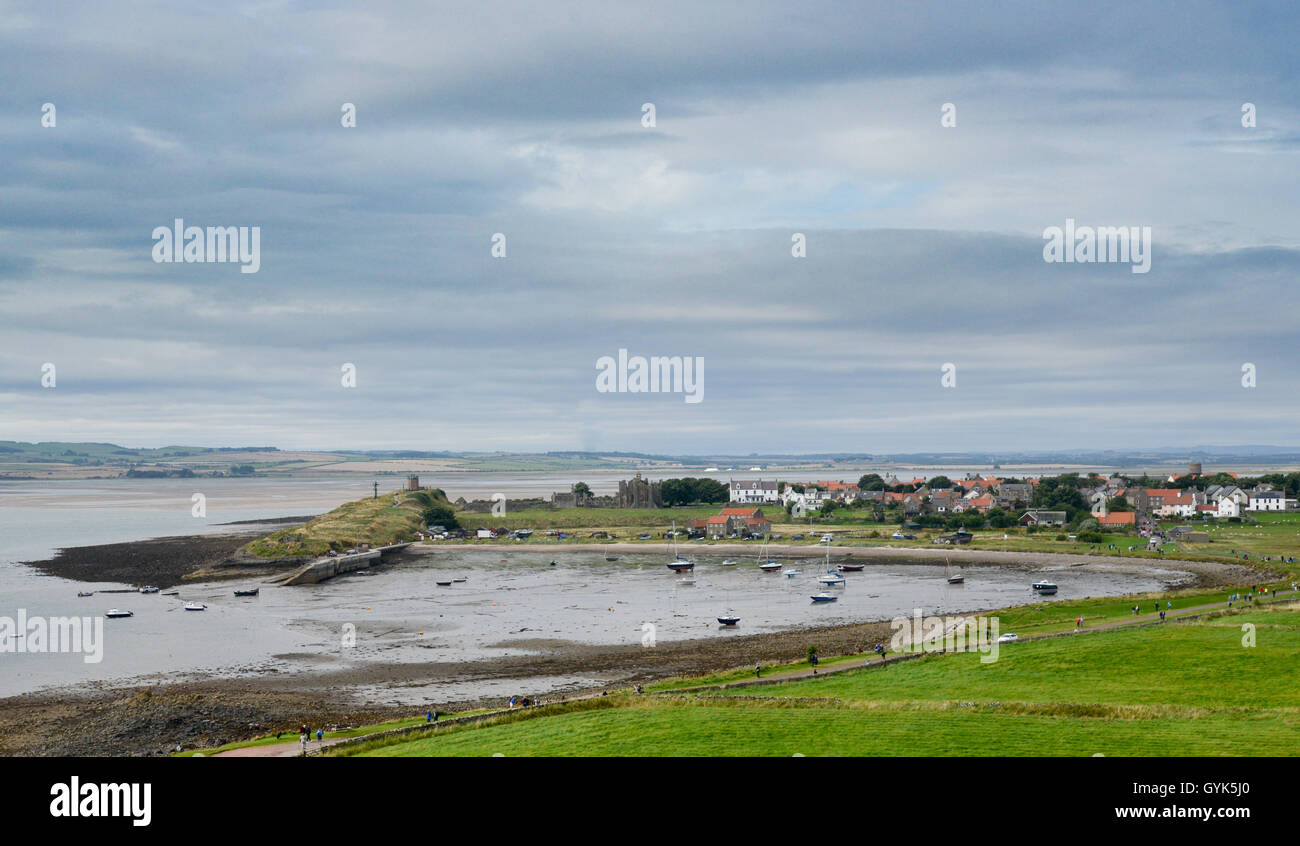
(1121, 518)
(741, 512)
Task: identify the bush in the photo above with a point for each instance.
(1091, 537)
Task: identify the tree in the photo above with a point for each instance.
(440, 515)
(1119, 503)
(940, 483)
(582, 490)
(871, 482)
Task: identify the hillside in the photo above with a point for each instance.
(391, 518)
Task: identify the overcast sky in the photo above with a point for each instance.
(924, 242)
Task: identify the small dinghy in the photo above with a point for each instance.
(459, 580)
(729, 619)
(195, 606)
(148, 589)
(552, 563)
(851, 568)
(85, 593)
(1044, 587)
(792, 572)
(443, 584)
(249, 592)
(113, 612)
(727, 562)
(770, 567)
(824, 597)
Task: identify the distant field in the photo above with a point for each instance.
(1187, 688)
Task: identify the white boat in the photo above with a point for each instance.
(195, 606)
(113, 612)
(953, 579)
(831, 579)
(791, 572)
(769, 565)
(824, 597)
(727, 562)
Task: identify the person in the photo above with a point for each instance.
(435, 715)
(758, 671)
(302, 738)
(428, 716)
(319, 734)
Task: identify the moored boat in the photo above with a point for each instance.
(249, 592)
(824, 597)
(851, 568)
(85, 593)
(729, 619)
(1045, 587)
(148, 589)
(114, 612)
(953, 578)
(195, 606)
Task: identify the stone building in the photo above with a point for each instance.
(639, 493)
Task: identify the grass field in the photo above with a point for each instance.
(1188, 688)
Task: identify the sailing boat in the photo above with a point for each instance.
(609, 557)
(831, 577)
(679, 564)
(953, 580)
(769, 566)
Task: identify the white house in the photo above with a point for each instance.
(755, 492)
(1267, 501)
(1229, 507)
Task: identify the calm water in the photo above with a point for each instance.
(399, 613)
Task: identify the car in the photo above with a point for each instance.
(796, 537)
(898, 536)
(1009, 637)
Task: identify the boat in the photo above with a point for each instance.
(851, 568)
(727, 562)
(1045, 587)
(729, 619)
(195, 606)
(113, 612)
(609, 557)
(249, 592)
(830, 577)
(443, 584)
(956, 579)
(148, 589)
(679, 564)
(552, 563)
(85, 593)
(769, 566)
(461, 579)
(792, 572)
(824, 597)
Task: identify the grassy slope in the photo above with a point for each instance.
(373, 521)
(1180, 689)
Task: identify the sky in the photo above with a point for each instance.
(924, 242)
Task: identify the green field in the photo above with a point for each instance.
(1189, 688)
